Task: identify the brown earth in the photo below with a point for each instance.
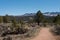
(44, 34)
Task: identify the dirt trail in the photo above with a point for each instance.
(44, 35)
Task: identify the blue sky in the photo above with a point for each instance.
(20, 7)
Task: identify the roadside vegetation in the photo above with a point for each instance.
(10, 25)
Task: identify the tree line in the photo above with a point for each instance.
(38, 18)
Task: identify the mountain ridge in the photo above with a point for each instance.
(46, 14)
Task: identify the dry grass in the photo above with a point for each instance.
(30, 34)
(53, 31)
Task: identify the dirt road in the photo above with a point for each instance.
(44, 35)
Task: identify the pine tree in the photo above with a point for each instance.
(6, 19)
(39, 17)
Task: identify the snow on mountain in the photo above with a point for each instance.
(46, 14)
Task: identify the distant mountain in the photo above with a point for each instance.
(51, 13)
(46, 14)
(29, 14)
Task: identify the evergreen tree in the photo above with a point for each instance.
(57, 19)
(14, 22)
(6, 19)
(39, 17)
(1, 19)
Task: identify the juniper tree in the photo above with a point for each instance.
(39, 17)
(57, 19)
(1, 19)
(6, 18)
(14, 22)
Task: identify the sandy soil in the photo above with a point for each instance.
(44, 35)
